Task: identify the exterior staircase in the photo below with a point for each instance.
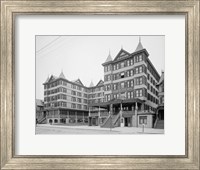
(112, 121)
(42, 120)
(159, 124)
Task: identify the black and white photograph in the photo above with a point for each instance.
(99, 84)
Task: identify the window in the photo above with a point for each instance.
(137, 93)
(114, 67)
(73, 105)
(131, 62)
(122, 64)
(108, 77)
(140, 94)
(128, 73)
(131, 83)
(64, 90)
(79, 94)
(128, 62)
(122, 85)
(117, 66)
(140, 57)
(137, 81)
(143, 119)
(79, 88)
(140, 80)
(73, 99)
(108, 97)
(148, 86)
(73, 86)
(64, 97)
(140, 69)
(131, 73)
(136, 70)
(108, 87)
(105, 69)
(132, 94)
(114, 86)
(108, 67)
(79, 100)
(85, 101)
(122, 75)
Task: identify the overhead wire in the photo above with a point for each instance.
(51, 42)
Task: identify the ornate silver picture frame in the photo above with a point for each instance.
(11, 9)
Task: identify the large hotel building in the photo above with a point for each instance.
(128, 96)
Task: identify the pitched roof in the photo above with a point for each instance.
(39, 102)
(78, 81)
(100, 83)
(139, 46)
(121, 54)
(109, 58)
(62, 75)
(47, 79)
(91, 84)
(52, 78)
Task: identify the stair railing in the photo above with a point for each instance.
(105, 121)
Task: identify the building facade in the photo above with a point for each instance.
(40, 113)
(130, 91)
(65, 101)
(128, 96)
(159, 124)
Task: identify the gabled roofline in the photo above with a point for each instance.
(122, 50)
(77, 82)
(99, 82)
(130, 55)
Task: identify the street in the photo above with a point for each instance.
(62, 129)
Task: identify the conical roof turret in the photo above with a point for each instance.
(139, 46)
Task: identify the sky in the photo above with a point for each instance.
(82, 56)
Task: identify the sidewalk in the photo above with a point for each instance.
(122, 130)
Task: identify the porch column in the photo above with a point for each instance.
(76, 117)
(99, 120)
(89, 112)
(83, 118)
(111, 109)
(67, 117)
(121, 118)
(136, 112)
(59, 117)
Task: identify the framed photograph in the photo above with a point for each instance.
(100, 84)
